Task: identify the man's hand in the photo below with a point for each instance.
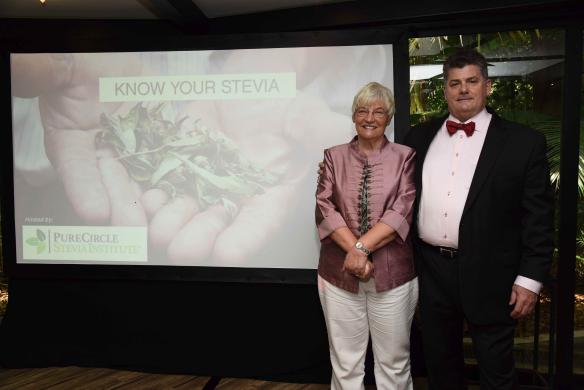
(96, 183)
(278, 142)
(524, 301)
(232, 236)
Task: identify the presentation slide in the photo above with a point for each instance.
(186, 158)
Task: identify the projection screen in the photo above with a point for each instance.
(186, 158)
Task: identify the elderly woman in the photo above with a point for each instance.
(366, 278)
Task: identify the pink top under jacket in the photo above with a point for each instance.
(392, 194)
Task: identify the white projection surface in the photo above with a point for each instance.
(189, 158)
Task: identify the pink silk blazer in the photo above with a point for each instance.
(391, 194)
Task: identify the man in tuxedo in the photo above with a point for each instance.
(484, 213)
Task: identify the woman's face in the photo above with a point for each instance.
(371, 120)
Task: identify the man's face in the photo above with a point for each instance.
(466, 92)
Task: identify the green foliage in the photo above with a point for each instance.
(512, 93)
(427, 100)
(508, 93)
(511, 97)
(499, 45)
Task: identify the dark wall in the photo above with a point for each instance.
(222, 329)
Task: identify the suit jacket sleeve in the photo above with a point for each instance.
(328, 217)
(537, 219)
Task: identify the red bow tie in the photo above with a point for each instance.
(453, 127)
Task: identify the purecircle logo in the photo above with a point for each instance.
(39, 241)
(85, 243)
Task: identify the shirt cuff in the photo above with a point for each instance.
(530, 284)
(329, 225)
(397, 222)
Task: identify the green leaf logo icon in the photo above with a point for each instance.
(38, 241)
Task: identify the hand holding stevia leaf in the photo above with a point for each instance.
(199, 162)
(67, 87)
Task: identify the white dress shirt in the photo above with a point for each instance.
(446, 178)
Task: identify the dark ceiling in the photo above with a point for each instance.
(219, 16)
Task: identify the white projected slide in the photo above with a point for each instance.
(191, 158)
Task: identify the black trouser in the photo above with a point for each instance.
(442, 327)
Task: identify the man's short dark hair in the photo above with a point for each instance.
(463, 57)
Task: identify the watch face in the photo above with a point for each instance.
(359, 245)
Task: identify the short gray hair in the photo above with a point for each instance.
(374, 91)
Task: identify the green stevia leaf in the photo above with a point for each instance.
(147, 159)
(178, 179)
(157, 111)
(113, 140)
(188, 141)
(127, 127)
(106, 121)
(226, 183)
(119, 146)
(198, 162)
(193, 150)
(140, 176)
(167, 187)
(144, 141)
(225, 143)
(191, 187)
(203, 162)
(261, 177)
(102, 137)
(179, 123)
(170, 126)
(40, 248)
(128, 139)
(139, 173)
(140, 163)
(208, 194)
(33, 241)
(230, 206)
(168, 164)
(40, 235)
(134, 164)
(109, 139)
(208, 200)
(199, 188)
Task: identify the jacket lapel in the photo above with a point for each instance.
(422, 149)
(494, 142)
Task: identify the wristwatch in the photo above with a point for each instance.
(360, 247)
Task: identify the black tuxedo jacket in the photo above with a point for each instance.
(506, 227)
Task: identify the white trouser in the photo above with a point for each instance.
(350, 317)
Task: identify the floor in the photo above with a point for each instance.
(67, 378)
